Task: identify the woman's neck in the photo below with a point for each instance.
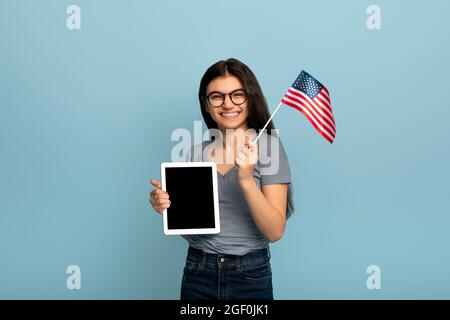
(231, 137)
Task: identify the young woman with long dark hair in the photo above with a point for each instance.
(254, 202)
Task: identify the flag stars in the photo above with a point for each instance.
(307, 84)
(297, 97)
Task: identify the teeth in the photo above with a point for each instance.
(230, 114)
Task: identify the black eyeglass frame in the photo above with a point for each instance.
(223, 97)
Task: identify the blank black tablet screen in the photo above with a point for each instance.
(190, 191)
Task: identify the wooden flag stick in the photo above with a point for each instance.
(260, 132)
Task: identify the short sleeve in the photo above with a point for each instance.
(276, 170)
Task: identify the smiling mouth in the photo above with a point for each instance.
(230, 114)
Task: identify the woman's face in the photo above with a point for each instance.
(230, 114)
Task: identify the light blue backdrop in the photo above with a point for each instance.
(86, 117)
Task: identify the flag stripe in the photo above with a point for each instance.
(304, 109)
(324, 101)
(312, 122)
(323, 105)
(322, 118)
(322, 128)
(302, 94)
(312, 98)
(315, 105)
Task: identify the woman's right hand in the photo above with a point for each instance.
(159, 199)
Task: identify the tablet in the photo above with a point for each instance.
(193, 193)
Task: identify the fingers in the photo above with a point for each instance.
(252, 145)
(161, 196)
(159, 199)
(161, 206)
(160, 202)
(248, 153)
(158, 193)
(155, 183)
(239, 161)
(163, 202)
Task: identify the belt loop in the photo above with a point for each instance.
(203, 263)
(238, 263)
(268, 252)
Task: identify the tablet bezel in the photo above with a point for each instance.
(213, 166)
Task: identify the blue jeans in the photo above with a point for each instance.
(227, 277)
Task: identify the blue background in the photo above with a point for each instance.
(86, 117)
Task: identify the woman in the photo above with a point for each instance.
(254, 206)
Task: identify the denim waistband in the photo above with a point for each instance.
(253, 257)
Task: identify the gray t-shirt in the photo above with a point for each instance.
(238, 232)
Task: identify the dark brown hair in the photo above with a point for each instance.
(258, 112)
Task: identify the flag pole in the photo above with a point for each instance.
(268, 122)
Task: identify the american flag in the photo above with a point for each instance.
(312, 98)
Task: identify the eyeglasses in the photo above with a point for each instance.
(217, 99)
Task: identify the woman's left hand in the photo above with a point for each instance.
(246, 160)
